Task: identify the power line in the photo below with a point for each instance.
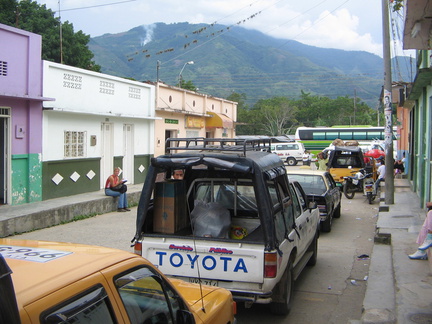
(250, 80)
(253, 16)
(96, 6)
(396, 21)
(214, 35)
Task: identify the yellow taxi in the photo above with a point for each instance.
(345, 161)
(72, 283)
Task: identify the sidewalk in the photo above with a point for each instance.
(399, 290)
(42, 214)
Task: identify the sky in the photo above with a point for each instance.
(342, 24)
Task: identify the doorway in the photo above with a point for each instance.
(169, 134)
(128, 154)
(107, 152)
(4, 156)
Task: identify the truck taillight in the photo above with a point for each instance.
(234, 305)
(270, 265)
(322, 207)
(138, 248)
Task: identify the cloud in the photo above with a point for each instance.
(354, 26)
(340, 30)
(329, 30)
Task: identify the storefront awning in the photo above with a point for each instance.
(219, 121)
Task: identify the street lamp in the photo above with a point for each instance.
(180, 74)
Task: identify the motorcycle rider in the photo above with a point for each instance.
(381, 174)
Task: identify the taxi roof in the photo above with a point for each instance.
(41, 267)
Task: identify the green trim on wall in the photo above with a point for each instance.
(26, 178)
(141, 160)
(66, 169)
(118, 162)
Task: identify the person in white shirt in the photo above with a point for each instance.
(306, 157)
(381, 174)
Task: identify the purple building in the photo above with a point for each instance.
(20, 116)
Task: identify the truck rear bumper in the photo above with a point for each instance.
(247, 297)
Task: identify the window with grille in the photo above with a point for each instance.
(4, 112)
(74, 144)
(3, 68)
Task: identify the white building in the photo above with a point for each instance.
(97, 122)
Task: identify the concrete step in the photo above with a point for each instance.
(28, 217)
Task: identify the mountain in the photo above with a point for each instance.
(235, 59)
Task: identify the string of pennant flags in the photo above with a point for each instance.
(195, 41)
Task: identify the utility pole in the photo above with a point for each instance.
(387, 101)
(158, 63)
(61, 36)
(355, 105)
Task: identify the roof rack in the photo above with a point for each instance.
(274, 139)
(218, 144)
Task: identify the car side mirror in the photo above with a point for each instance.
(185, 317)
(312, 205)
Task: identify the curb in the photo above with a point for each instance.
(29, 217)
(379, 303)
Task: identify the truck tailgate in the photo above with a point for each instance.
(213, 259)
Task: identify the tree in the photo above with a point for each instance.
(188, 85)
(249, 122)
(30, 16)
(310, 109)
(278, 115)
(240, 98)
(75, 50)
(7, 12)
(323, 111)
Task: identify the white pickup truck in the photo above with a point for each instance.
(233, 221)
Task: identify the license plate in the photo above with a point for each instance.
(207, 282)
(367, 189)
(31, 253)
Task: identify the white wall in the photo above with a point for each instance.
(90, 92)
(84, 100)
(56, 123)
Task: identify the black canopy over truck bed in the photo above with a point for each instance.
(234, 220)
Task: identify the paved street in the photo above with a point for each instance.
(333, 290)
(114, 230)
(330, 292)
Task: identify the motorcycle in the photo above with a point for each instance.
(353, 184)
(370, 190)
